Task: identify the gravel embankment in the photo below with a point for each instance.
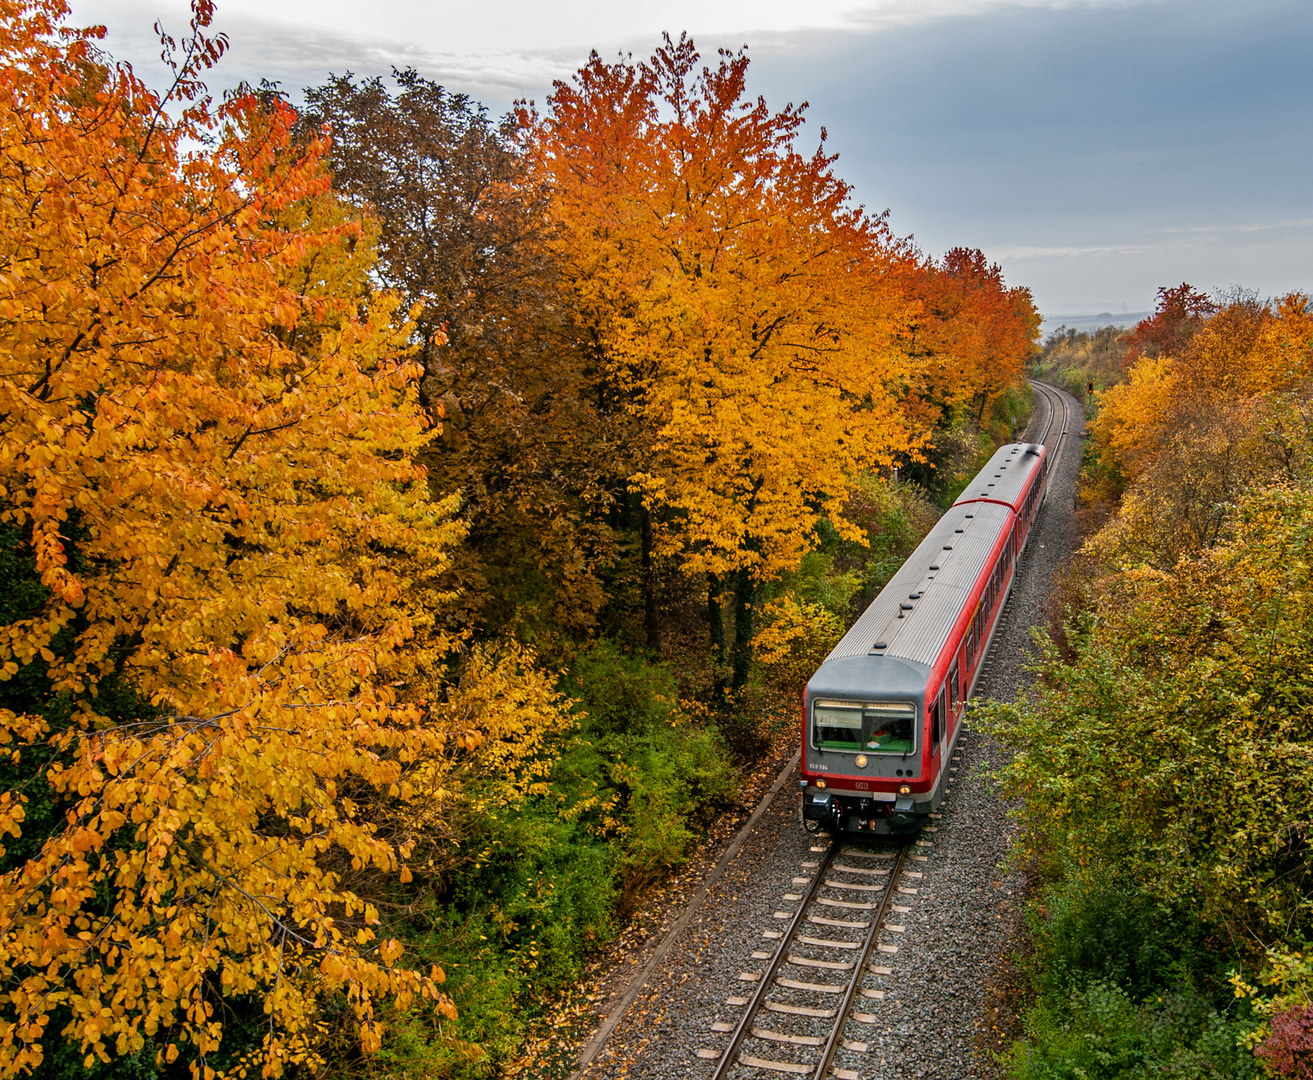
(966, 910)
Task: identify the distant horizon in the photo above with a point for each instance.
(1088, 323)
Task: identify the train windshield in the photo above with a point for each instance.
(855, 727)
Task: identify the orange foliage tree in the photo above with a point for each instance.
(735, 300)
(207, 417)
(969, 332)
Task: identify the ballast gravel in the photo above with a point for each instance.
(967, 907)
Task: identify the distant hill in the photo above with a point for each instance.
(1090, 322)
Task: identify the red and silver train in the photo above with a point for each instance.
(883, 712)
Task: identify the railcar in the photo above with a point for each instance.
(882, 713)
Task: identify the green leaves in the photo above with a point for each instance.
(1179, 743)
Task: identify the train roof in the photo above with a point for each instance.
(941, 573)
(851, 676)
(1004, 478)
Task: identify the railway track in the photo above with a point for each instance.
(1054, 438)
(808, 1000)
(810, 1004)
(1059, 404)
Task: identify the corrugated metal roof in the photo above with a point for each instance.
(922, 631)
(1005, 476)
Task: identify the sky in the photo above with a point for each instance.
(1095, 149)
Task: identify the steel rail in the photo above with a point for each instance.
(763, 985)
(872, 937)
(1054, 395)
(1043, 388)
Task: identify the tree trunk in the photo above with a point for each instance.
(650, 622)
(744, 594)
(717, 633)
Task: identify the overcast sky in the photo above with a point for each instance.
(1096, 149)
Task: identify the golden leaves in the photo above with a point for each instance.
(208, 422)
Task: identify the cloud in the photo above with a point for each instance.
(1096, 148)
(885, 14)
(1245, 229)
(1022, 253)
(506, 48)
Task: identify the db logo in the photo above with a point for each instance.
(862, 786)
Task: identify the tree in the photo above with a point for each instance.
(1179, 312)
(1177, 745)
(463, 237)
(1192, 429)
(736, 304)
(208, 424)
(973, 333)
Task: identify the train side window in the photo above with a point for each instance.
(934, 728)
(952, 685)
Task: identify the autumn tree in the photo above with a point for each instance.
(1191, 429)
(972, 332)
(733, 298)
(228, 565)
(463, 236)
(1164, 772)
(967, 337)
(1178, 313)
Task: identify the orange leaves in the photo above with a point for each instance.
(1215, 404)
(968, 334)
(737, 297)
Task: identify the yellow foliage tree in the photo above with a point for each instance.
(795, 638)
(207, 419)
(1199, 421)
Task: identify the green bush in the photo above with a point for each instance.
(1101, 1033)
(1097, 929)
(1010, 413)
(547, 879)
(621, 692)
(1127, 988)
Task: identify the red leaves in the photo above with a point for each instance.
(1289, 1049)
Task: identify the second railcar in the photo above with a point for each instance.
(883, 711)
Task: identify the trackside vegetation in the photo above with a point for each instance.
(1165, 759)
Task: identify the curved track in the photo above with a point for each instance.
(819, 995)
(1059, 407)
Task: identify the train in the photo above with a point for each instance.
(883, 713)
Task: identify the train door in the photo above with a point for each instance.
(936, 724)
(941, 707)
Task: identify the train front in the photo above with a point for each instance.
(863, 766)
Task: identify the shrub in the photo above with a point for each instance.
(1100, 1033)
(1127, 987)
(620, 691)
(1289, 1049)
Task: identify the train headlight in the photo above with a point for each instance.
(904, 790)
(820, 784)
(861, 761)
